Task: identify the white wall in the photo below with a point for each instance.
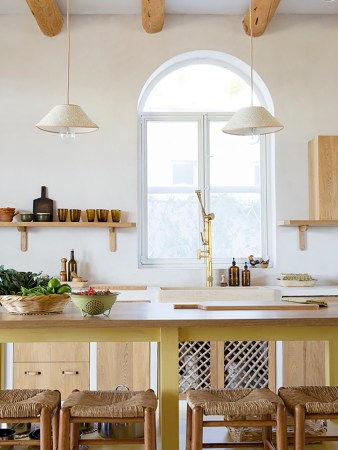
(112, 57)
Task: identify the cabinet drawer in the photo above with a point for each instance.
(64, 376)
(51, 351)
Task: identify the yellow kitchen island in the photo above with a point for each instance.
(167, 326)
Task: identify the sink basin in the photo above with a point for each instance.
(193, 294)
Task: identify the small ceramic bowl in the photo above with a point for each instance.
(26, 217)
(43, 217)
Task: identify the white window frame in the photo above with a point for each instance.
(268, 222)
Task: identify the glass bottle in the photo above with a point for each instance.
(246, 276)
(234, 274)
(72, 266)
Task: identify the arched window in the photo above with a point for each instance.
(182, 109)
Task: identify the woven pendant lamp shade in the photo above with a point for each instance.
(67, 118)
(252, 120)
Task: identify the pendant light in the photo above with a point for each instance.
(252, 120)
(67, 120)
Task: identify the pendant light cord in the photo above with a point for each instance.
(68, 50)
(251, 54)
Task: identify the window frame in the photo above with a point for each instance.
(266, 163)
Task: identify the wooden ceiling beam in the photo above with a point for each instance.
(262, 13)
(152, 15)
(47, 15)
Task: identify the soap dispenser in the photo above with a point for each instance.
(246, 275)
(234, 274)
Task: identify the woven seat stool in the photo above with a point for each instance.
(32, 405)
(115, 407)
(310, 403)
(240, 408)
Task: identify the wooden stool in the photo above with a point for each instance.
(240, 408)
(116, 407)
(310, 403)
(32, 405)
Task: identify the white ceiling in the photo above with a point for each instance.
(229, 7)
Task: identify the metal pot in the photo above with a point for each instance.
(121, 430)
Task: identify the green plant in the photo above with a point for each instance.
(11, 281)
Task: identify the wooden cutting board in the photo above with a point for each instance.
(244, 305)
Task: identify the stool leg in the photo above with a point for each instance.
(45, 429)
(188, 428)
(74, 436)
(64, 430)
(55, 429)
(299, 418)
(149, 429)
(281, 431)
(266, 432)
(197, 428)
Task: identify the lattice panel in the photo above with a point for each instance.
(246, 364)
(194, 365)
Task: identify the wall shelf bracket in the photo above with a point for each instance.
(301, 236)
(23, 238)
(112, 239)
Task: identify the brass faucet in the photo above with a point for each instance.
(206, 237)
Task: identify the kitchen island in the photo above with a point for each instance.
(167, 326)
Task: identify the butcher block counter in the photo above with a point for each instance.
(162, 323)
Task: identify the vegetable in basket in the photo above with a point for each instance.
(13, 282)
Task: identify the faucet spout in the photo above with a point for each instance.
(206, 237)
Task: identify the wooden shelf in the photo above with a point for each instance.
(22, 227)
(303, 226)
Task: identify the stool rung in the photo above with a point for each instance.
(232, 444)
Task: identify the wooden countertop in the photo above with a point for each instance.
(159, 315)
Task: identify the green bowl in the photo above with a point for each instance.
(93, 305)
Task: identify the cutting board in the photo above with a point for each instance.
(42, 205)
(244, 305)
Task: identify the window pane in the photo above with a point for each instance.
(172, 226)
(235, 194)
(236, 228)
(199, 87)
(172, 177)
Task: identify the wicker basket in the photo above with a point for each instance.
(40, 304)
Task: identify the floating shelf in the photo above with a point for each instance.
(303, 226)
(23, 229)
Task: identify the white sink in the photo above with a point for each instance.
(193, 294)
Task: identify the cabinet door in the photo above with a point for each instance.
(64, 376)
(123, 363)
(51, 351)
(304, 363)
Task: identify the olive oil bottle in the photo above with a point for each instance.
(234, 274)
(72, 266)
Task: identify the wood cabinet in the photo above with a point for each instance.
(303, 363)
(323, 178)
(123, 363)
(63, 366)
(66, 366)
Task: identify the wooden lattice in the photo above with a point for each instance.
(194, 365)
(246, 364)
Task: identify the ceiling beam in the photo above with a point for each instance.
(47, 15)
(262, 13)
(152, 15)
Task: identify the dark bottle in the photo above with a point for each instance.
(72, 266)
(234, 274)
(246, 276)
